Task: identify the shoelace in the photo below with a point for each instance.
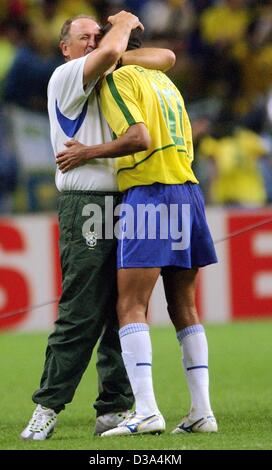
(38, 421)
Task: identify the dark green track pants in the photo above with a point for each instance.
(87, 312)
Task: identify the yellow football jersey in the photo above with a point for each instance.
(133, 94)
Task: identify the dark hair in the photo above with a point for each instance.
(134, 41)
(65, 30)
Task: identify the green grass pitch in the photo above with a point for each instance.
(240, 384)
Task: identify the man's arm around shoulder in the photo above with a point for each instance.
(111, 46)
(136, 139)
(150, 58)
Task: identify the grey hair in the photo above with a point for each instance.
(65, 30)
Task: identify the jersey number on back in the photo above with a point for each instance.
(171, 115)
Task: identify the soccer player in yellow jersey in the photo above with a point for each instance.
(164, 231)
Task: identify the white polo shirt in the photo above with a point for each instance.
(74, 113)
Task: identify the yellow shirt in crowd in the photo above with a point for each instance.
(238, 177)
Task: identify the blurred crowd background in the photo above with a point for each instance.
(223, 70)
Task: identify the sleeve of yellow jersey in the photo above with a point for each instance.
(118, 96)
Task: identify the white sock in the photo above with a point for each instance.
(195, 362)
(137, 357)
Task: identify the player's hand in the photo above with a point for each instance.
(73, 156)
(124, 16)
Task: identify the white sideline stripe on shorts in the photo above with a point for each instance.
(122, 249)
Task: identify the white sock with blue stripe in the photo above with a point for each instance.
(195, 362)
(137, 357)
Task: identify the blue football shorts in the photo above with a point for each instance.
(164, 225)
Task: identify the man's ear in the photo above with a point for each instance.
(64, 49)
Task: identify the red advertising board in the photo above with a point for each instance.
(250, 258)
(238, 287)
